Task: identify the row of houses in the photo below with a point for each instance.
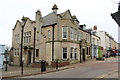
(56, 37)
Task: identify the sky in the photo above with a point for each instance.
(89, 12)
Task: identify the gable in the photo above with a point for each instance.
(28, 25)
(67, 15)
(18, 23)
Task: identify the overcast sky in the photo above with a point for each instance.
(89, 12)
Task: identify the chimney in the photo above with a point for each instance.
(38, 15)
(55, 8)
(95, 28)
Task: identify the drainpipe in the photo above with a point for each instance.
(80, 51)
(34, 45)
(21, 62)
(53, 41)
(91, 45)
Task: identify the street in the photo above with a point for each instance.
(88, 69)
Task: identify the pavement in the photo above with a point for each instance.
(35, 71)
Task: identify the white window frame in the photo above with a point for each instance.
(75, 34)
(62, 54)
(18, 52)
(71, 33)
(17, 38)
(15, 52)
(66, 32)
(71, 51)
(27, 37)
(79, 35)
(75, 51)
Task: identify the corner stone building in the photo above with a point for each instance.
(57, 36)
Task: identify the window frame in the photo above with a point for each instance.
(75, 52)
(71, 31)
(27, 37)
(79, 35)
(66, 32)
(75, 34)
(71, 52)
(37, 54)
(66, 53)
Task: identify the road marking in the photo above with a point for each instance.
(106, 74)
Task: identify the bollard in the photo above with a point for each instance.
(43, 66)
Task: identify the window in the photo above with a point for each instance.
(18, 52)
(49, 34)
(79, 35)
(71, 33)
(14, 52)
(71, 53)
(37, 52)
(27, 37)
(17, 37)
(75, 34)
(87, 51)
(75, 53)
(64, 32)
(64, 53)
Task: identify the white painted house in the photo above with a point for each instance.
(2, 50)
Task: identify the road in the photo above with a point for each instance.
(91, 69)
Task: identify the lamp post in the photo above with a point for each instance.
(22, 64)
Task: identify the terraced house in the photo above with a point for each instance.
(54, 36)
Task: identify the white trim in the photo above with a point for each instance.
(62, 53)
(71, 31)
(66, 32)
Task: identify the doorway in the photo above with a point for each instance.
(83, 54)
(29, 57)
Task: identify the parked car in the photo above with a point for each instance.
(112, 54)
(117, 54)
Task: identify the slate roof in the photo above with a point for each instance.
(50, 19)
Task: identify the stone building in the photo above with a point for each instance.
(56, 36)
